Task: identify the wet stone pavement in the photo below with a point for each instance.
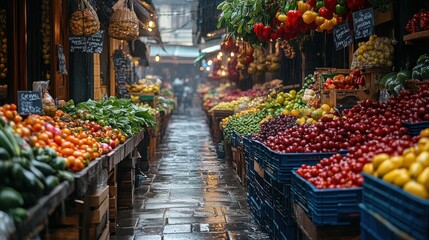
(188, 193)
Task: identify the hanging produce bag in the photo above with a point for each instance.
(84, 21)
(124, 24)
(49, 107)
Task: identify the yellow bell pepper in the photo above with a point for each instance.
(282, 17)
(319, 20)
(303, 7)
(309, 16)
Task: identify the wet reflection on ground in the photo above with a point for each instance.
(188, 193)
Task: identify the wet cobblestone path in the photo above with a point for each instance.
(188, 193)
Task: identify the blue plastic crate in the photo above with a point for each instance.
(255, 208)
(375, 227)
(414, 129)
(285, 231)
(281, 176)
(259, 153)
(233, 141)
(405, 211)
(283, 215)
(294, 160)
(327, 206)
(282, 202)
(268, 216)
(268, 191)
(247, 148)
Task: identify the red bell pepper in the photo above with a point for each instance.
(266, 32)
(293, 16)
(312, 3)
(325, 13)
(330, 5)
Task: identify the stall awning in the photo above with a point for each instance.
(201, 57)
(174, 51)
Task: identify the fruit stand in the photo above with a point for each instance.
(343, 156)
(82, 189)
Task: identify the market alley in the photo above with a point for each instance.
(188, 193)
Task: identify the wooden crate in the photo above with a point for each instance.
(105, 235)
(337, 98)
(152, 147)
(236, 159)
(227, 149)
(71, 232)
(98, 204)
(112, 207)
(125, 194)
(217, 117)
(312, 232)
(112, 177)
(97, 199)
(372, 76)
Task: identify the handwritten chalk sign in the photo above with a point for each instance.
(342, 35)
(121, 64)
(30, 102)
(363, 23)
(61, 60)
(93, 44)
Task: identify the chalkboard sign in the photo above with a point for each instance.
(121, 64)
(61, 60)
(342, 35)
(30, 102)
(363, 23)
(93, 44)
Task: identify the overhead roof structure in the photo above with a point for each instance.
(175, 54)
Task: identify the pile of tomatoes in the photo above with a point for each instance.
(80, 142)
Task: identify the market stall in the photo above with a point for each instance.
(301, 153)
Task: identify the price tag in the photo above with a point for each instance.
(93, 44)
(342, 35)
(30, 102)
(363, 23)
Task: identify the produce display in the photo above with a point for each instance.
(232, 105)
(374, 132)
(273, 125)
(377, 51)
(394, 81)
(244, 123)
(341, 171)
(114, 112)
(27, 174)
(419, 22)
(354, 80)
(408, 170)
(421, 70)
(277, 102)
(145, 86)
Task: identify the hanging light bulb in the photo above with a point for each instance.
(208, 69)
(157, 58)
(209, 62)
(151, 24)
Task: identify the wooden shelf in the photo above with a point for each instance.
(38, 214)
(416, 37)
